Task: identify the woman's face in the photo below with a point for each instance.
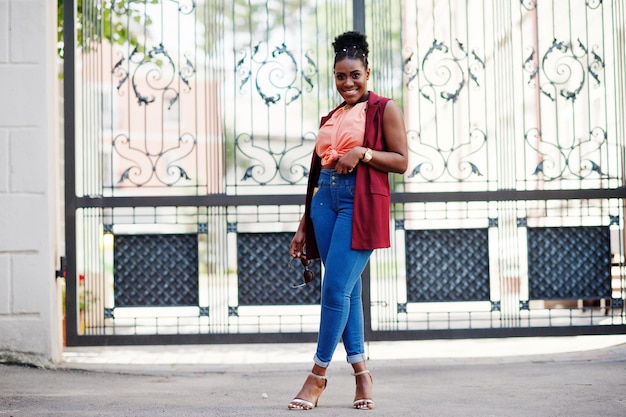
(351, 79)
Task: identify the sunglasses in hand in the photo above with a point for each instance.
(307, 275)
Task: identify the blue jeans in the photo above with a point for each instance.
(342, 307)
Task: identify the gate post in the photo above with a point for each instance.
(358, 13)
(69, 45)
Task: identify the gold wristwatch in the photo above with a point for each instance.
(367, 156)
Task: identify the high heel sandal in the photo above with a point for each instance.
(300, 404)
(364, 403)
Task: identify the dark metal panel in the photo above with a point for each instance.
(447, 265)
(265, 277)
(156, 270)
(569, 263)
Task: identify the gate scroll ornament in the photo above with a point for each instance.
(437, 161)
(156, 71)
(122, 7)
(445, 73)
(153, 75)
(276, 77)
(563, 68)
(275, 73)
(557, 159)
(289, 163)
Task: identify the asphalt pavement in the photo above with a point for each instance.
(533, 377)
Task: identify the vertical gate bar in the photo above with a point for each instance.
(358, 15)
(358, 22)
(69, 169)
(537, 90)
(367, 302)
(505, 133)
(619, 50)
(619, 36)
(380, 299)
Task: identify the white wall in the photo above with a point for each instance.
(29, 307)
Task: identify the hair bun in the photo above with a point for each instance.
(352, 40)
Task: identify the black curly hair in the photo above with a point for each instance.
(351, 45)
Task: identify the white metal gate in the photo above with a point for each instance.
(189, 126)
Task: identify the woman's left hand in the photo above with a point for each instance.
(350, 160)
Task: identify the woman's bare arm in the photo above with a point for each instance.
(395, 158)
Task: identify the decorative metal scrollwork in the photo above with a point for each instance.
(562, 65)
(290, 163)
(529, 4)
(593, 4)
(531, 67)
(154, 78)
(155, 71)
(276, 74)
(564, 70)
(443, 71)
(187, 71)
(435, 162)
(122, 7)
(578, 159)
(146, 165)
(185, 6)
(410, 69)
(595, 66)
(532, 4)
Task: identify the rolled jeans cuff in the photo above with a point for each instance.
(356, 358)
(319, 362)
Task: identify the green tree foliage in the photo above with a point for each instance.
(96, 21)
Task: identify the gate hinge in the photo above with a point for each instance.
(61, 272)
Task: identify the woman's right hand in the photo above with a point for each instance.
(296, 248)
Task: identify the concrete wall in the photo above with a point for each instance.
(29, 141)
